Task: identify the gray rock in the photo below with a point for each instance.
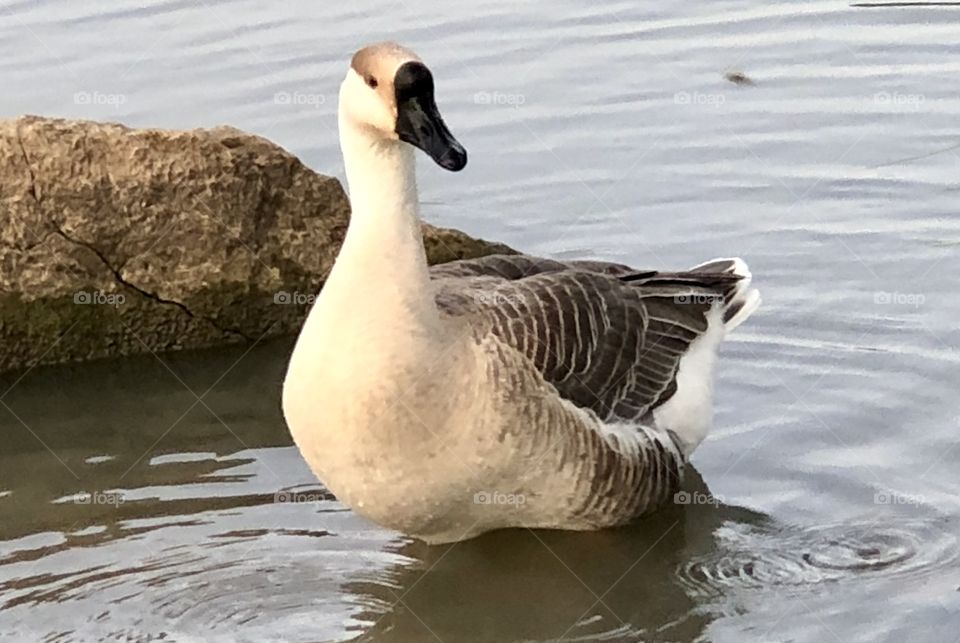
(116, 241)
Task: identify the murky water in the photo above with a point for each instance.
(160, 499)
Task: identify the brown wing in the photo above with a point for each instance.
(608, 337)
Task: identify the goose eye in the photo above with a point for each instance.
(372, 82)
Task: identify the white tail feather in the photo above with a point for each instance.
(751, 302)
(746, 297)
(689, 412)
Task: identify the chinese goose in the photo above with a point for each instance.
(507, 391)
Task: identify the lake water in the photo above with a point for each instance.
(159, 498)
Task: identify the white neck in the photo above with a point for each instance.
(375, 326)
(384, 231)
(379, 286)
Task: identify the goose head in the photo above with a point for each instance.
(388, 94)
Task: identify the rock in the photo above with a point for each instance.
(116, 241)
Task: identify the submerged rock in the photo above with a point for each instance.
(116, 241)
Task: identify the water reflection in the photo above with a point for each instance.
(104, 429)
(246, 564)
(669, 577)
(523, 585)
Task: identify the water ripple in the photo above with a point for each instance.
(749, 557)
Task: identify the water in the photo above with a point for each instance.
(828, 505)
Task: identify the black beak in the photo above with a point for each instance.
(418, 119)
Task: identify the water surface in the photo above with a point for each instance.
(159, 498)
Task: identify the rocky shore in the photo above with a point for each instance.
(116, 241)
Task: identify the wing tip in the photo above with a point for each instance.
(741, 307)
(744, 300)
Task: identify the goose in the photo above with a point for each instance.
(505, 391)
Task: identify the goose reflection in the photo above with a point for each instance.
(522, 585)
(667, 577)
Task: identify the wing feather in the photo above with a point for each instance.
(607, 337)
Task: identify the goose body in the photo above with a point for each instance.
(507, 391)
